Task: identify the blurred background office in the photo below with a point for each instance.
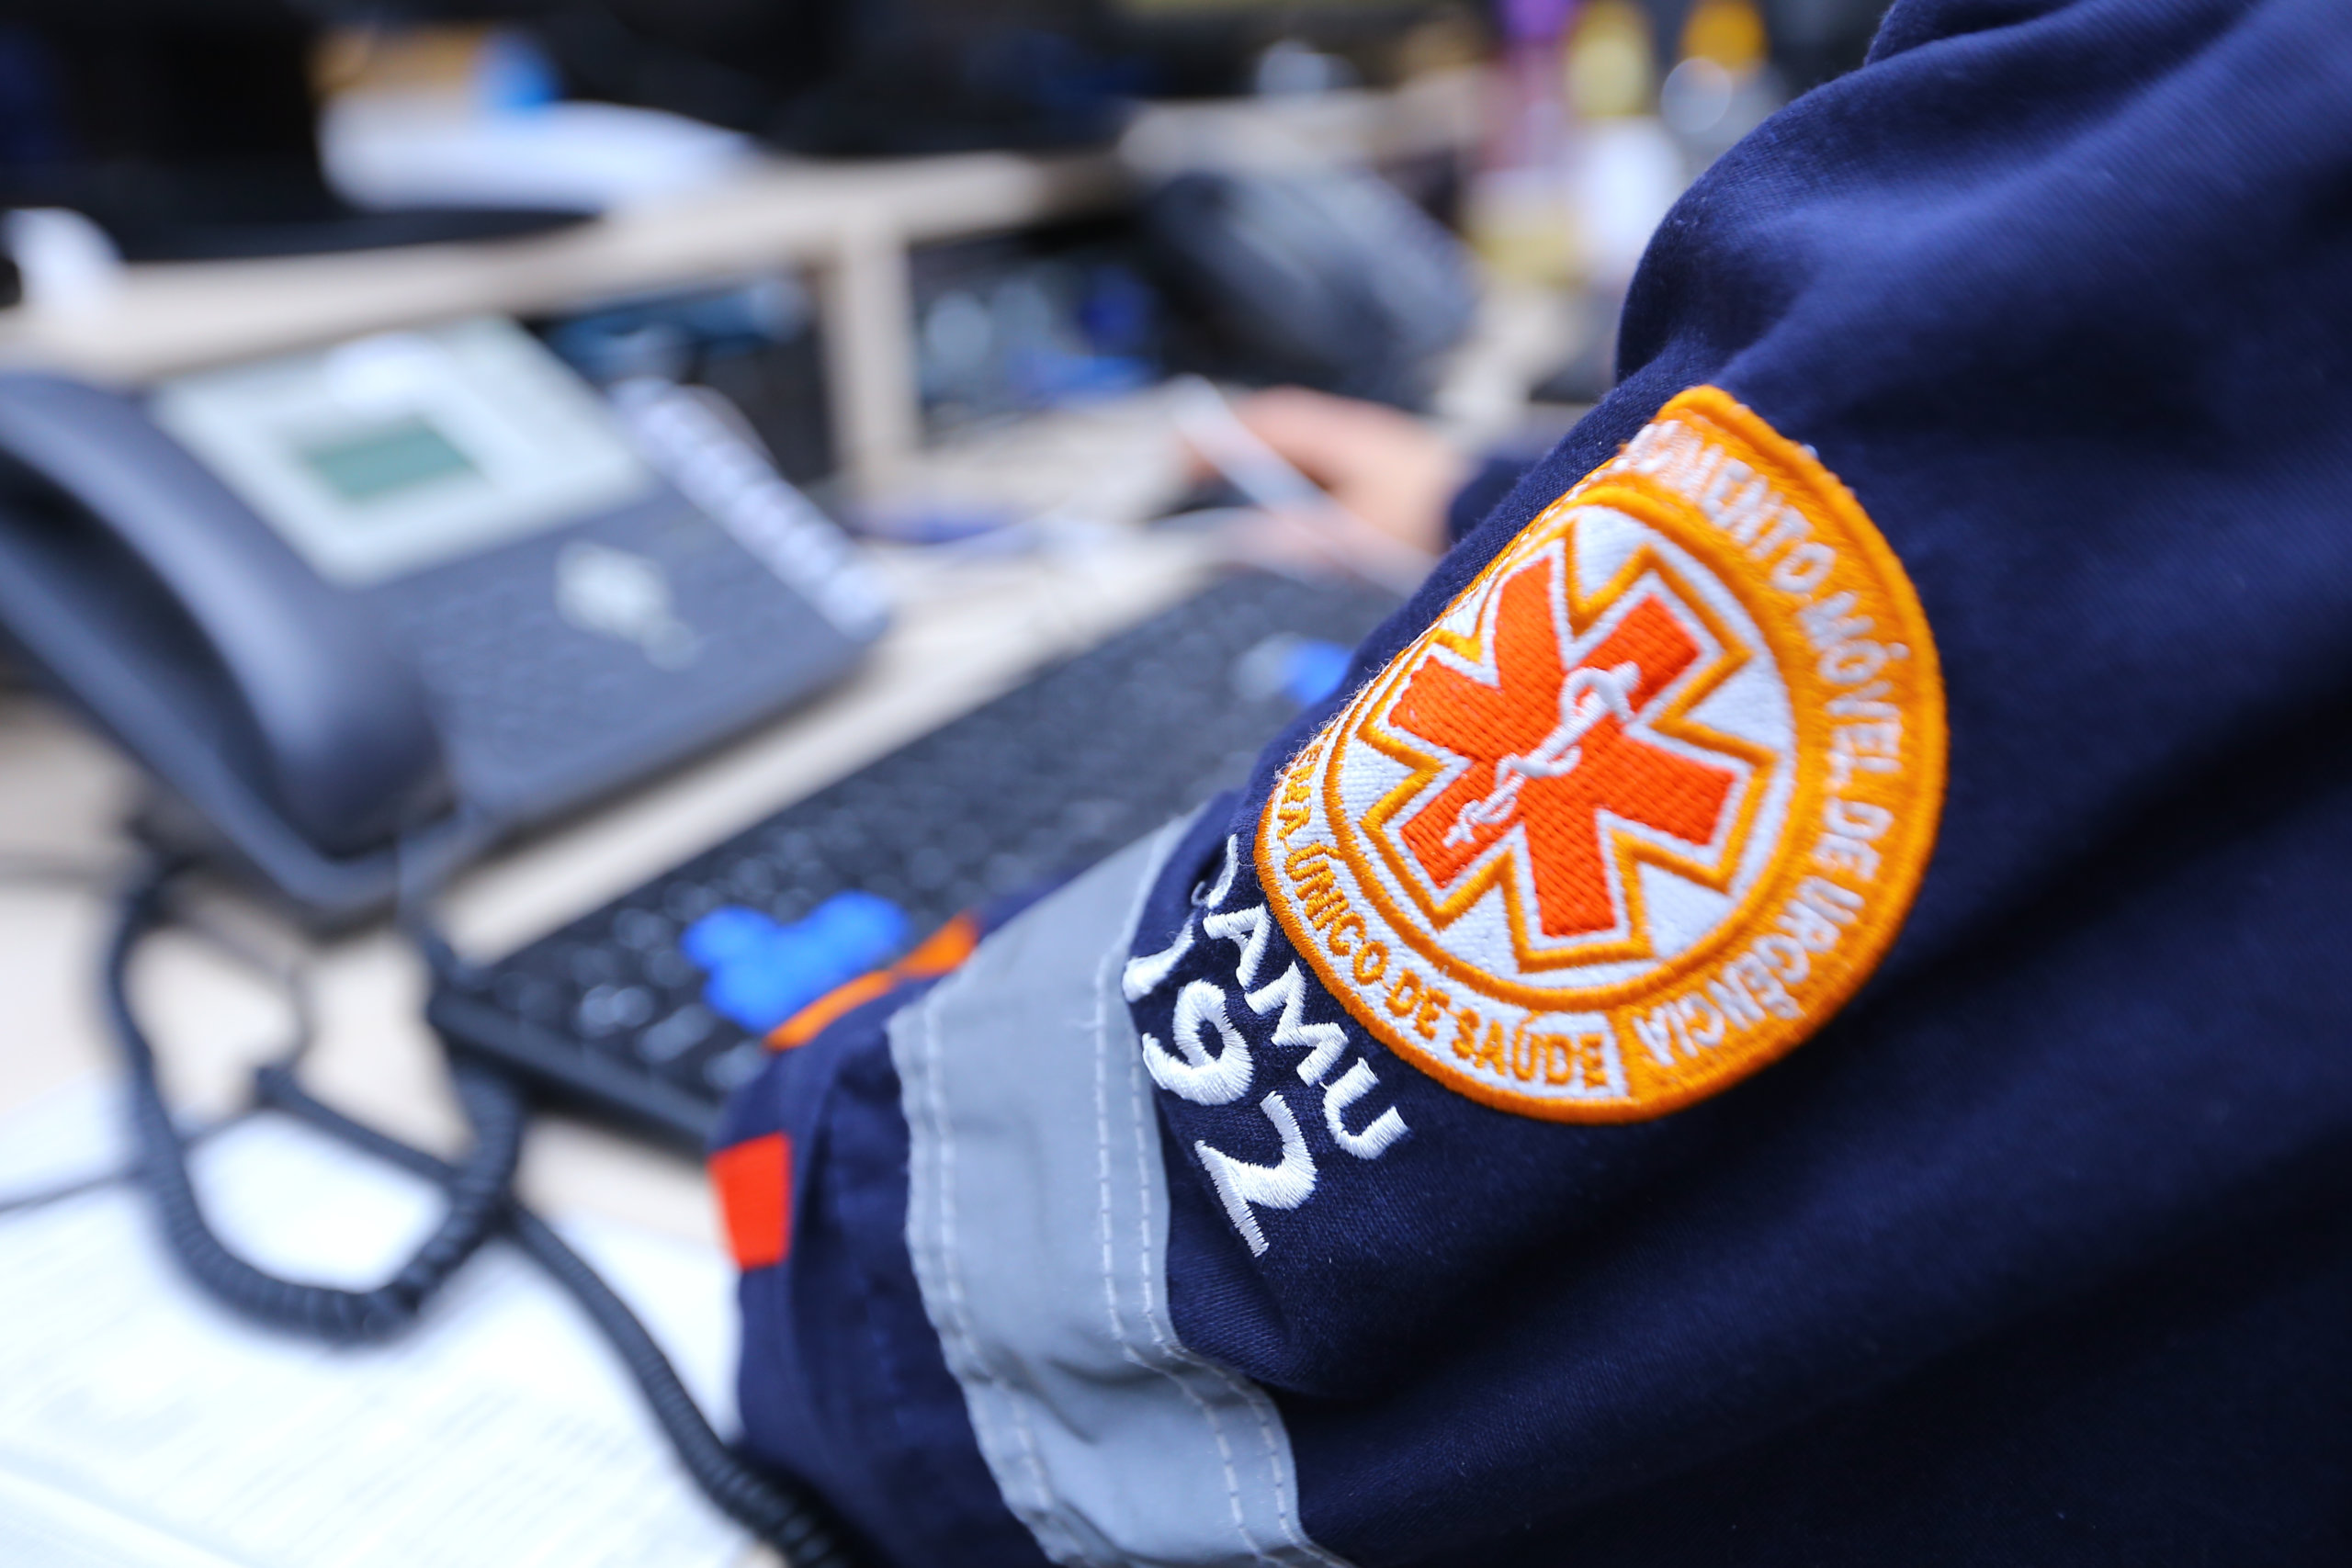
(1549, 134)
(885, 297)
(698, 493)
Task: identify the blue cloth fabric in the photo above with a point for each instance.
(1495, 476)
(2039, 1251)
(842, 1381)
(2055, 289)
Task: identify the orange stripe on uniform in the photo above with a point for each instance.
(753, 1180)
(941, 950)
(810, 1022)
(938, 953)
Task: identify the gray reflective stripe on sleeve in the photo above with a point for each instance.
(1037, 1217)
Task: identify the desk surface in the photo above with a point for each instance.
(966, 630)
(960, 638)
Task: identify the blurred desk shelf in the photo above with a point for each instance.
(847, 224)
(960, 639)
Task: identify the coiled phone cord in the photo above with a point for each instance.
(339, 1316)
(781, 1511)
(751, 1499)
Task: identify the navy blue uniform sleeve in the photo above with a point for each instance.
(841, 1382)
(1783, 1011)
(2053, 291)
(1481, 493)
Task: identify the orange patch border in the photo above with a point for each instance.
(1865, 565)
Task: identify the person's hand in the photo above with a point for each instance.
(1384, 467)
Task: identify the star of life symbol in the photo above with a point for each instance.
(1556, 754)
(1646, 802)
(1587, 697)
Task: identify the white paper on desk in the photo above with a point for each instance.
(143, 1427)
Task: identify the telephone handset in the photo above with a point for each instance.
(338, 599)
(194, 633)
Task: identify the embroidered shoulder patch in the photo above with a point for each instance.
(1648, 801)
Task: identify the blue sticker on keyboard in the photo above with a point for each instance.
(762, 972)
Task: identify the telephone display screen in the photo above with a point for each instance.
(388, 454)
(386, 460)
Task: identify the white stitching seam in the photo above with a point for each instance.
(1242, 1388)
(1102, 1145)
(1162, 1334)
(1137, 1096)
(960, 1310)
(998, 1402)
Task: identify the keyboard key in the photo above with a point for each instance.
(1039, 784)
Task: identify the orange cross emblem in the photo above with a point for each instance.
(1553, 748)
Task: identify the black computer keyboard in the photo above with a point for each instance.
(613, 1014)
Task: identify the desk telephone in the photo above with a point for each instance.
(423, 582)
(424, 586)
(339, 602)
